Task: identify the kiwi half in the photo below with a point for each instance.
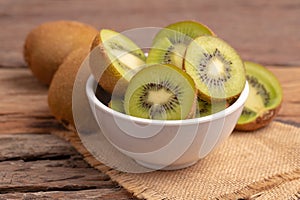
(216, 68)
(264, 100)
(170, 43)
(161, 92)
(114, 58)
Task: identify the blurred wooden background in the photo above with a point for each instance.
(261, 30)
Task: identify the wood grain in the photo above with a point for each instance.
(262, 31)
(103, 194)
(23, 106)
(45, 166)
(290, 108)
(48, 175)
(37, 165)
(31, 147)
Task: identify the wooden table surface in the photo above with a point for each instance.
(35, 164)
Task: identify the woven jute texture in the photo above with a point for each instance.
(255, 165)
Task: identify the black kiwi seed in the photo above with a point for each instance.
(167, 56)
(248, 112)
(155, 87)
(261, 90)
(264, 100)
(203, 67)
(207, 108)
(170, 43)
(216, 68)
(114, 45)
(161, 92)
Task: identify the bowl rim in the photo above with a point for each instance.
(90, 92)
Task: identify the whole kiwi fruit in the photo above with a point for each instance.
(47, 45)
(61, 87)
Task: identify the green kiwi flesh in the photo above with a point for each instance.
(123, 52)
(216, 68)
(170, 43)
(205, 108)
(117, 57)
(264, 100)
(117, 105)
(162, 92)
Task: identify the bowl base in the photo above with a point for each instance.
(161, 167)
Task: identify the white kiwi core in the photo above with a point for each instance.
(161, 96)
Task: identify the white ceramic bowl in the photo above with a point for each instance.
(164, 144)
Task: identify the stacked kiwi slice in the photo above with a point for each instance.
(216, 68)
(189, 72)
(170, 44)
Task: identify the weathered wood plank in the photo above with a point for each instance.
(23, 103)
(30, 147)
(37, 163)
(44, 162)
(263, 31)
(103, 194)
(49, 175)
(289, 79)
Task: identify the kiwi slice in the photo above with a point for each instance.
(161, 91)
(264, 100)
(114, 58)
(117, 104)
(216, 68)
(206, 108)
(170, 43)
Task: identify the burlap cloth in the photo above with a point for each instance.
(256, 165)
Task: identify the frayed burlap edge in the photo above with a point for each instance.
(250, 192)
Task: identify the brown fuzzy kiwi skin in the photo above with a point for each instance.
(47, 45)
(260, 122)
(61, 87)
(103, 70)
